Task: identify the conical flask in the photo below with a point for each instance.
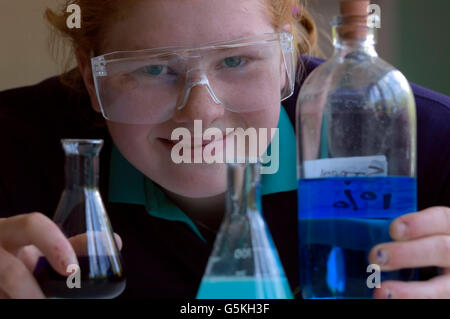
(244, 263)
(82, 217)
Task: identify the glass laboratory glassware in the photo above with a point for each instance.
(244, 263)
(356, 133)
(82, 217)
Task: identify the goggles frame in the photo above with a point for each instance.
(99, 63)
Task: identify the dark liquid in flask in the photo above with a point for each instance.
(55, 285)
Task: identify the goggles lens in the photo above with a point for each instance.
(147, 87)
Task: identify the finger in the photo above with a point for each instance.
(29, 255)
(430, 221)
(118, 240)
(424, 252)
(436, 288)
(80, 242)
(37, 229)
(4, 295)
(15, 279)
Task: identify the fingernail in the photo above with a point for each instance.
(69, 261)
(388, 294)
(401, 230)
(382, 257)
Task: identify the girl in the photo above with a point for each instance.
(167, 214)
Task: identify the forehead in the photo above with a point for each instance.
(160, 23)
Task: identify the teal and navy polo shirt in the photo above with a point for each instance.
(130, 186)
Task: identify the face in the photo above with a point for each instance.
(162, 23)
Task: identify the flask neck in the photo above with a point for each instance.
(243, 194)
(82, 163)
(81, 171)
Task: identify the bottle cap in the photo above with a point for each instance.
(354, 14)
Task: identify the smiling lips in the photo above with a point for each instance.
(194, 142)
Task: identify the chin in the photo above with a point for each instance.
(194, 180)
(199, 192)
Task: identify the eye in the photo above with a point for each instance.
(233, 62)
(154, 69)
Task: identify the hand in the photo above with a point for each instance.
(421, 239)
(23, 239)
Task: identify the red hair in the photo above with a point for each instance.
(97, 14)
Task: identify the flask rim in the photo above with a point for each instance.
(81, 141)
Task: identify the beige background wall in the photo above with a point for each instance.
(24, 55)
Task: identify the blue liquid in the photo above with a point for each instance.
(244, 288)
(340, 221)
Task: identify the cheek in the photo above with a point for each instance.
(283, 80)
(283, 77)
(127, 136)
(269, 97)
(266, 120)
(134, 144)
(271, 119)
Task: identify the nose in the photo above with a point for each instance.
(200, 103)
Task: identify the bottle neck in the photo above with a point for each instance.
(343, 46)
(348, 38)
(82, 171)
(243, 194)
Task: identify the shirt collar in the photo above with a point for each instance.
(128, 185)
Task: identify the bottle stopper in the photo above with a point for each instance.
(354, 14)
(354, 7)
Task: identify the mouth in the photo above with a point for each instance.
(195, 143)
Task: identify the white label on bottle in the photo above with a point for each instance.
(347, 167)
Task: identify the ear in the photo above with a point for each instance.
(84, 65)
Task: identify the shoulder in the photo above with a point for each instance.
(433, 147)
(47, 105)
(33, 119)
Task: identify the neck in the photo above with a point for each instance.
(208, 211)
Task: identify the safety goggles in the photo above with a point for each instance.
(149, 86)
